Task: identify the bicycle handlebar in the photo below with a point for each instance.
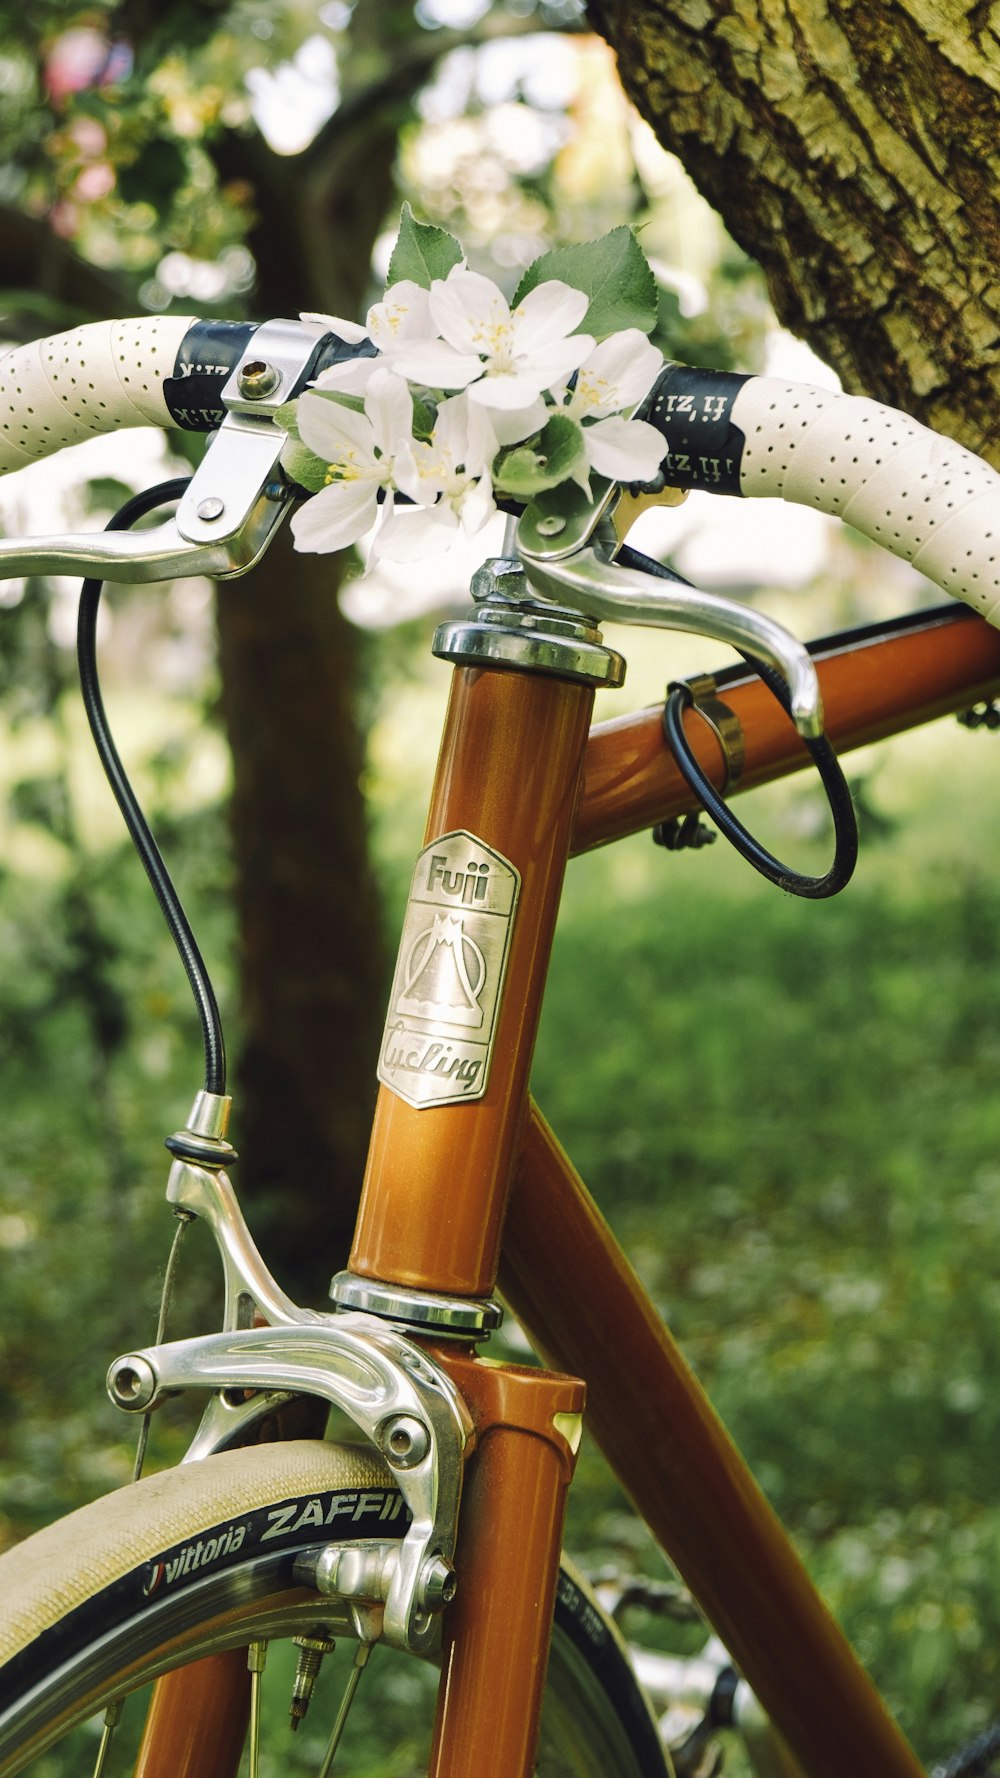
(916, 493)
(911, 490)
(154, 370)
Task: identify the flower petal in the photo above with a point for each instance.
(407, 536)
(403, 312)
(516, 390)
(332, 430)
(548, 313)
(389, 406)
(512, 425)
(618, 373)
(345, 330)
(624, 450)
(335, 517)
(470, 311)
(351, 377)
(435, 365)
(477, 506)
(415, 472)
(464, 431)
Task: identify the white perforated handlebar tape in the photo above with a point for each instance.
(94, 379)
(921, 496)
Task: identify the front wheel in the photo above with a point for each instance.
(199, 1561)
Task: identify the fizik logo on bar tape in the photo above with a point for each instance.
(203, 365)
(693, 410)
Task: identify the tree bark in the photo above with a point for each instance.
(854, 150)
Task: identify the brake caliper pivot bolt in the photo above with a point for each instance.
(131, 1383)
(404, 1441)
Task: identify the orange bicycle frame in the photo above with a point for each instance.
(457, 1195)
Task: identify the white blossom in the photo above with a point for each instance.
(505, 359)
(615, 375)
(360, 449)
(495, 375)
(402, 315)
(450, 472)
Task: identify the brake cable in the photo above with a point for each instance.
(681, 698)
(138, 827)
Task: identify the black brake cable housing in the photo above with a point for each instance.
(138, 827)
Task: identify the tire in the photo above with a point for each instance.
(199, 1559)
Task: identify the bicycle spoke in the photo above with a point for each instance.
(256, 1657)
(112, 1717)
(353, 1681)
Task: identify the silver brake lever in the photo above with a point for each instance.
(587, 581)
(236, 498)
(223, 523)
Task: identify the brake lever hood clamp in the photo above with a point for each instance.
(236, 498)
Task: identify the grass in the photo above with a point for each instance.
(789, 1114)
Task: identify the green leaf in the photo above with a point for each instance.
(422, 253)
(303, 466)
(614, 273)
(424, 416)
(105, 493)
(286, 416)
(557, 455)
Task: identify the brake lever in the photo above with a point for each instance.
(588, 581)
(222, 525)
(234, 502)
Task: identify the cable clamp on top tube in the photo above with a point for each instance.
(724, 724)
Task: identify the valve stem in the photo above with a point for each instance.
(311, 1651)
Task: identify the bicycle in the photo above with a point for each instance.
(187, 1576)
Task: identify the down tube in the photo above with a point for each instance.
(569, 1283)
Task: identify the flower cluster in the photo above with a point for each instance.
(466, 398)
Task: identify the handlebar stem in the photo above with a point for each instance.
(588, 582)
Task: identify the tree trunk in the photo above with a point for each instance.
(310, 953)
(311, 964)
(853, 150)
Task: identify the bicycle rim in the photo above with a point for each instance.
(199, 1560)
